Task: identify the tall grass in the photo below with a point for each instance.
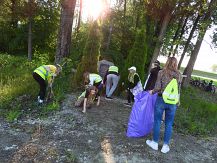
(197, 114)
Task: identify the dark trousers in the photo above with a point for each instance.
(130, 96)
(42, 85)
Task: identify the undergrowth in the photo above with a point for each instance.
(19, 90)
(197, 114)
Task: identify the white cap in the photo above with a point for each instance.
(132, 68)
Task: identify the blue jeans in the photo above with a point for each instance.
(111, 84)
(160, 107)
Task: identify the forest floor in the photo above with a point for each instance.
(68, 135)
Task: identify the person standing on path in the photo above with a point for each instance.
(134, 86)
(111, 80)
(165, 76)
(152, 78)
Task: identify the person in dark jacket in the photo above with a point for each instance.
(152, 78)
(134, 86)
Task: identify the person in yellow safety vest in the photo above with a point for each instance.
(44, 75)
(165, 76)
(134, 86)
(92, 79)
(111, 79)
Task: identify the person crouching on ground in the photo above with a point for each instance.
(166, 75)
(111, 79)
(134, 86)
(94, 80)
(44, 75)
(86, 99)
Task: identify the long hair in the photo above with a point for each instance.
(86, 78)
(170, 66)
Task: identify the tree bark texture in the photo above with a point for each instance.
(176, 36)
(79, 17)
(188, 40)
(30, 39)
(181, 34)
(65, 31)
(159, 43)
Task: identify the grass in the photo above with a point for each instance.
(19, 90)
(202, 74)
(197, 114)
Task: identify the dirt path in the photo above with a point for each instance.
(98, 136)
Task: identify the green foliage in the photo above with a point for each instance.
(71, 157)
(19, 90)
(13, 115)
(78, 45)
(91, 52)
(14, 26)
(138, 54)
(197, 114)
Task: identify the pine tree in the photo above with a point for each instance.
(91, 52)
(138, 54)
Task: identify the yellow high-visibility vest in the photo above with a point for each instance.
(113, 69)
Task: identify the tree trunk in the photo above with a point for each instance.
(123, 38)
(181, 34)
(138, 12)
(14, 19)
(176, 35)
(206, 22)
(65, 31)
(109, 37)
(188, 41)
(125, 8)
(159, 43)
(30, 39)
(79, 17)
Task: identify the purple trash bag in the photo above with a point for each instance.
(142, 115)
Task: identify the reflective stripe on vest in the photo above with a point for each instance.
(170, 97)
(96, 77)
(42, 72)
(170, 94)
(113, 69)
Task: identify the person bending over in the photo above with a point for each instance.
(44, 75)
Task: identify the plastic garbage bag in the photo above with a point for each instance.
(141, 119)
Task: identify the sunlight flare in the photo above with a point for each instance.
(93, 9)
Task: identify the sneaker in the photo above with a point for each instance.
(108, 98)
(128, 104)
(40, 101)
(165, 148)
(152, 144)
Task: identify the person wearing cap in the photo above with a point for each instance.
(152, 78)
(134, 85)
(111, 79)
(44, 75)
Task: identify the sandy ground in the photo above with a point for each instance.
(97, 136)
